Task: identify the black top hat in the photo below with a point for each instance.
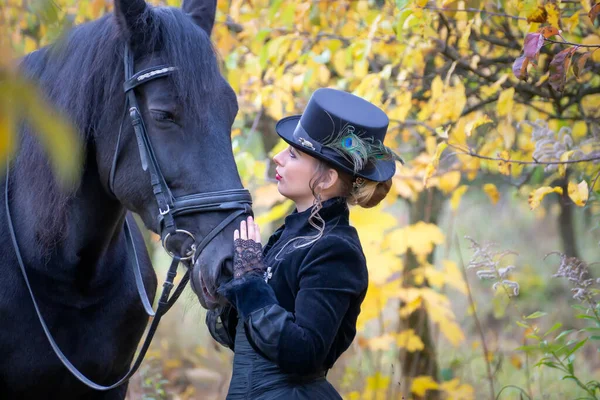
(343, 130)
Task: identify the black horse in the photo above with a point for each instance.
(73, 244)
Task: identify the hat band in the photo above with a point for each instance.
(303, 139)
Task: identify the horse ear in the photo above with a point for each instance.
(202, 11)
(129, 16)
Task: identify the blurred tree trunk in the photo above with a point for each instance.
(566, 225)
(427, 208)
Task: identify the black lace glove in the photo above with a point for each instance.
(247, 257)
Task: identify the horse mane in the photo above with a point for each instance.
(82, 75)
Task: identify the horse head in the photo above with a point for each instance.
(179, 103)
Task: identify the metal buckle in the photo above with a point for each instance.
(166, 212)
(189, 254)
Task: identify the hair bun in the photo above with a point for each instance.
(370, 193)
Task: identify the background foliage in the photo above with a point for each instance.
(495, 108)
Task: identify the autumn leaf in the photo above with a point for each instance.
(553, 15)
(548, 31)
(519, 68)
(578, 193)
(456, 196)
(449, 181)
(421, 384)
(533, 44)
(538, 15)
(558, 69)
(504, 167)
(580, 63)
(594, 12)
(482, 120)
(435, 160)
(409, 340)
(492, 192)
(505, 102)
(562, 168)
(536, 197)
(454, 277)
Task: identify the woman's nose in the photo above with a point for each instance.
(277, 158)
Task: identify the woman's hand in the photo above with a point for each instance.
(248, 231)
(247, 256)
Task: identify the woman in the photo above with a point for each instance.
(296, 301)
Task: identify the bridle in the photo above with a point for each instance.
(237, 201)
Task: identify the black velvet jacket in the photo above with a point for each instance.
(304, 318)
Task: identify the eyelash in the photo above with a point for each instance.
(292, 154)
(163, 116)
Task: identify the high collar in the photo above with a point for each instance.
(332, 208)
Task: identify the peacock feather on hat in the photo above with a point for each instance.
(360, 152)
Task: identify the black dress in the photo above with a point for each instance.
(287, 332)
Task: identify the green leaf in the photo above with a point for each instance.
(583, 316)
(554, 327)
(288, 14)
(536, 314)
(595, 337)
(576, 347)
(579, 307)
(274, 8)
(563, 334)
(402, 4)
(590, 330)
(522, 324)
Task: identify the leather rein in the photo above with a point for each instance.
(237, 201)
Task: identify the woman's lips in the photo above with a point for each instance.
(278, 177)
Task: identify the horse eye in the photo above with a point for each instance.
(162, 116)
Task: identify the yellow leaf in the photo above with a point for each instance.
(572, 22)
(431, 145)
(491, 190)
(408, 340)
(30, 45)
(507, 132)
(371, 223)
(453, 276)
(471, 126)
(381, 264)
(456, 196)
(382, 342)
(361, 68)
(449, 181)
(578, 193)
(455, 391)
(504, 167)
(562, 168)
(275, 213)
(536, 197)
(377, 382)
(339, 62)
(553, 15)
(421, 384)
(505, 102)
(515, 360)
(420, 238)
(429, 171)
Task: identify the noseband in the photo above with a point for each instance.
(236, 201)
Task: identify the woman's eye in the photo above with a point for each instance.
(163, 116)
(292, 154)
